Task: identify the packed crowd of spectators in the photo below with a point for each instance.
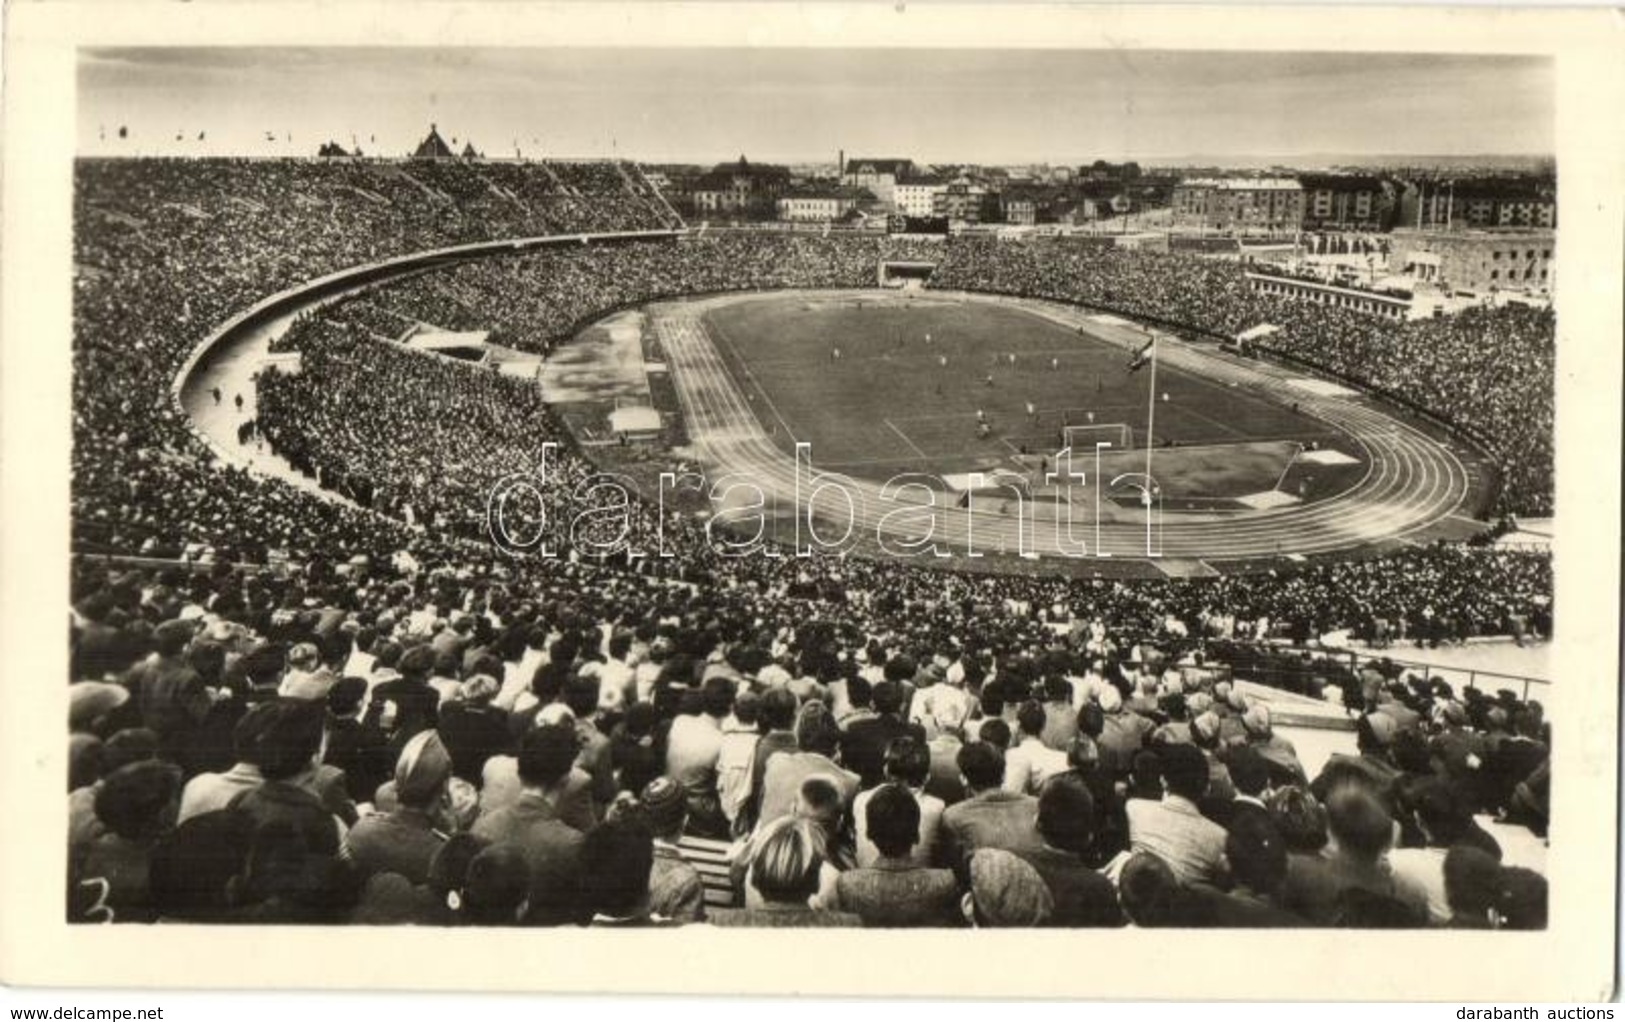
(451, 744)
(1488, 370)
(378, 721)
(167, 250)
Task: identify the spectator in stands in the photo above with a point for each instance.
(404, 841)
(693, 748)
(786, 871)
(864, 741)
(1005, 891)
(615, 886)
(675, 889)
(991, 817)
(552, 847)
(473, 729)
(817, 739)
(287, 752)
(1172, 828)
(1030, 763)
(908, 763)
(895, 890)
(1351, 884)
(1066, 822)
(136, 805)
(360, 751)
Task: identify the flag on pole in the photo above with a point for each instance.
(1142, 356)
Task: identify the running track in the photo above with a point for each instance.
(1411, 484)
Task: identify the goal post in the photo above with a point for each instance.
(1084, 438)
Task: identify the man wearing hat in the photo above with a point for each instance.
(1279, 754)
(1005, 891)
(169, 693)
(473, 729)
(675, 889)
(405, 840)
(1374, 736)
(306, 677)
(1083, 896)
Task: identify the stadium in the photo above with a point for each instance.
(298, 383)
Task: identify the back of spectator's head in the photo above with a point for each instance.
(1299, 818)
(1066, 814)
(416, 663)
(1472, 882)
(747, 707)
(619, 857)
(1149, 891)
(345, 697)
(1356, 819)
(995, 732)
(546, 754)
(892, 817)
(422, 770)
(778, 712)
(1257, 853)
(1374, 732)
(1091, 719)
(1184, 771)
(717, 697)
(900, 668)
(859, 692)
(1083, 753)
(1146, 770)
(1439, 811)
(982, 765)
(1248, 770)
(581, 696)
(132, 745)
(84, 760)
(787, 860)
(1410, 752)
(816, 730)
(287, 738)
(479, 690)
(1523, 899)
(1030, 718)
(1006, 891)
(139, 802)
(196, 869)
(908, 760)
(1173, 705)
(665, 805)
(91, 702)
(888, 697)
(171, 637)
(1205, 730)
(819, 800)
(496, 886)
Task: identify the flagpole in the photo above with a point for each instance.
(1151, 417)
(1150, 440)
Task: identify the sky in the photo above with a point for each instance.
(795, 105)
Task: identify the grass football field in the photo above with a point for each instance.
(912, 373)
